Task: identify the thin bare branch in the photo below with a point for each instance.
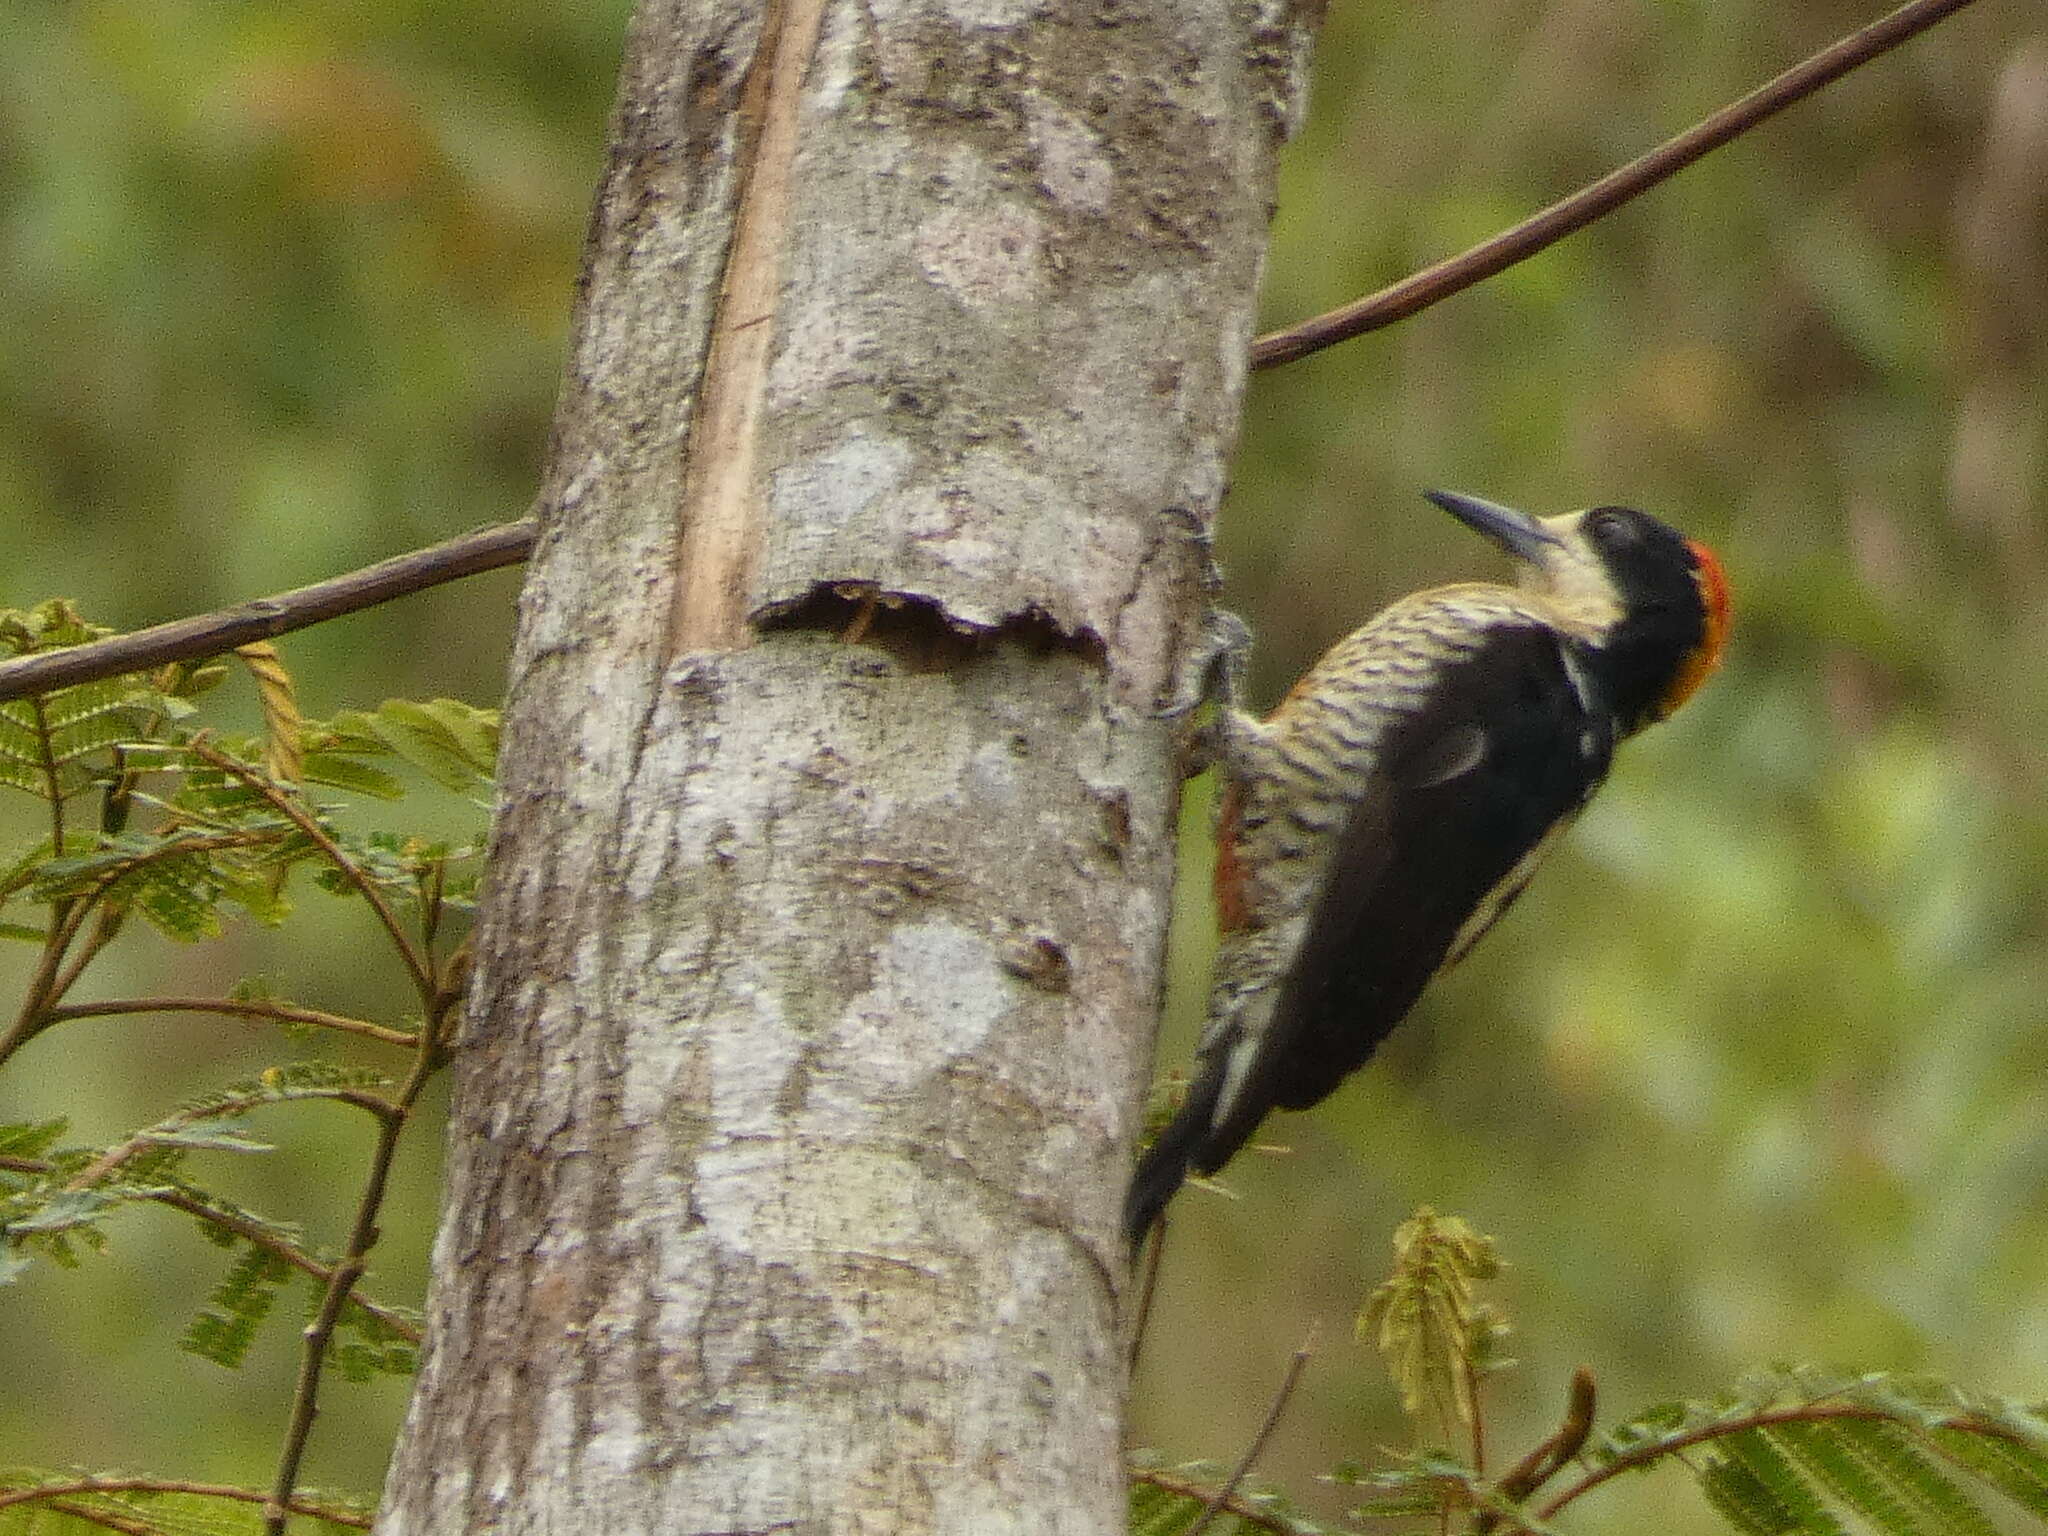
(284, 1013)
(46, 1491)
(362, 1238)
(1148, 1286)
(1258, 1443)
(264, 618)
(1433, 284)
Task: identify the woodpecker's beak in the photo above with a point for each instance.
(1516, 532)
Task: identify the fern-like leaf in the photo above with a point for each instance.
(1797, 1445)
(235, 1311)
(172, 879)
(2015, 1470)
(1745, 1500)
(50, 737)
(1832, 1461)
(1916, 1483)
(31, 1138)
(339, 770)
(452, 743)
(1760, 1456)
(1167, 1502)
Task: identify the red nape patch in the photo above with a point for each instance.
(1713, 585)
(1232, 908)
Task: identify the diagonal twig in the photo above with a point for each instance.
(250, 1231)
(1258, 1442)
(363, 1235)
(265, 618)
(230, 1007)
(1433, 284)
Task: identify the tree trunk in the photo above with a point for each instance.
(815, 986)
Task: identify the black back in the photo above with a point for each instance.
(1504, 754)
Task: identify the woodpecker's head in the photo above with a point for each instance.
(1649, 606)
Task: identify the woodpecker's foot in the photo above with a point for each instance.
(1214, 669)
(1200, 750)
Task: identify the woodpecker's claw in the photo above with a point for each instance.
(1214, 670)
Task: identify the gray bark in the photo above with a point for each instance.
(814, 991)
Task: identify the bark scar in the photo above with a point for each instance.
(721, 513)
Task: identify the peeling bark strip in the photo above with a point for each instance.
(720, 514)
(815, 984)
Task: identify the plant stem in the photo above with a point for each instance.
(288, 1013)
(297, 814)
(265, 618)
(1258, 1443)
(320, 1332)
(1433, 284)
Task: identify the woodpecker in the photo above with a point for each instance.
(1385, 815)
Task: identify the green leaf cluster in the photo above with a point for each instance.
(1792, 1451)
(1435, 1338)
(148, 813)
(214, 832)
(1799, 1451)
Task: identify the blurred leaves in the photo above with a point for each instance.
(218, 220)
(1792, 1451)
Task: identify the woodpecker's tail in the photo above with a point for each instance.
(1165, 1164)
(1160, 1174)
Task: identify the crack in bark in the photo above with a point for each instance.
(917, 630)
(720, 514)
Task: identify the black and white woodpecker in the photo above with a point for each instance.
(1383, 817)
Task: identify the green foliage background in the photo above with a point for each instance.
(1754, 1072)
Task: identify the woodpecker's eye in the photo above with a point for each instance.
(1612, 526)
